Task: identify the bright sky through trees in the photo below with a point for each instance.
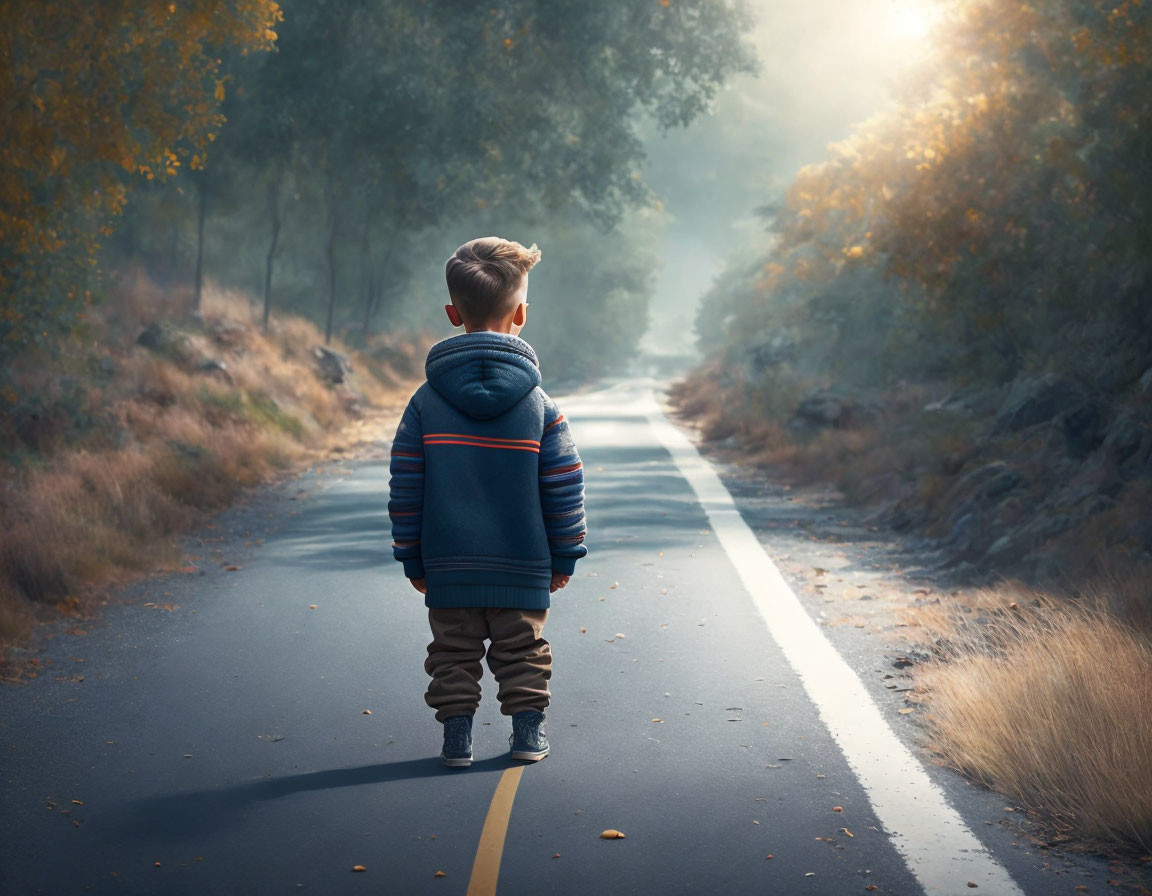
(825, 65)
(910, 21)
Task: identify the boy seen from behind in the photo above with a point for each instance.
(487, 502)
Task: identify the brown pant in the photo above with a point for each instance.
(519, 659)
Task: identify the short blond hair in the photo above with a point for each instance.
(483, 276)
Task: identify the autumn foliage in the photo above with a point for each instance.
(996, 221)
(983, 239)
(96, 97)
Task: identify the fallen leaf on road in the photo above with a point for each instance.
(555, 855)
(837, 808)
(366, 712)
(311, 606)
(754, 821)
(611, 834)
(809, 873)
(846, 831)
(614, 585)
(359, 868)
(232, 568)
(439, 874)
(974, 886)
(155, 864)
(77, 802)
(658, 720)
(619, 634)
(583, 630)
(905, 711)
(663, 590)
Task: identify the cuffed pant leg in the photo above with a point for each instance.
(519, 658)
(454, 661)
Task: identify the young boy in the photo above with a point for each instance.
(487, 502)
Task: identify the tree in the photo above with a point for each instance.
(401, 117)
(95, 97)
(997, 221)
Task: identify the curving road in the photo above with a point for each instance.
(262, 730)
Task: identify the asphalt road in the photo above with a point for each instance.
(261, 729)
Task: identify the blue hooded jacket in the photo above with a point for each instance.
(487, 489)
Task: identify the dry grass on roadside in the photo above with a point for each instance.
(106, 468)
(1050, 703)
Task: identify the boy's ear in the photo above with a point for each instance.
(520, 315)
(454, 316)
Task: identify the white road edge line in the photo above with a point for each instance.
(938, 847)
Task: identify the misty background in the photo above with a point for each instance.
(823, 66)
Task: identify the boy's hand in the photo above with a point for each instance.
(419, 585)
(559, 580)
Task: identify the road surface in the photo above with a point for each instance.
(255, 723)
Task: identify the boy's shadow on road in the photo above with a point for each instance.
(179, 815)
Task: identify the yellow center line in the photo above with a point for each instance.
(486, 868)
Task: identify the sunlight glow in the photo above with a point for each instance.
(910, 21)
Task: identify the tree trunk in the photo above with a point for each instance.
(380, 276)
(371, 300)
(330, 258)
(270, 258)
(201, 213)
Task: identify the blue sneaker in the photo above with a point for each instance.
(457, 751)
(528, 740)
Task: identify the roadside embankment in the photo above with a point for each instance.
(1040, 479)
(1033, 680)
(113, 451)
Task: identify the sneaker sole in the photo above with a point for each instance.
(456, 763)
(529, 755)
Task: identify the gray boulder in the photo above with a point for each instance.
(166, 340)
(825, 409)
(1035, 399)
(331, 366)
(982, 486)
(215, 368)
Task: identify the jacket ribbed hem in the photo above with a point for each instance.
(444, 597)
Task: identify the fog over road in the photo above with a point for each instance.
(262, 729)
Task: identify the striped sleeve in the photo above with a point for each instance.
(562, 493)
(406, 492)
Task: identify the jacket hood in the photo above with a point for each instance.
(482, 374)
